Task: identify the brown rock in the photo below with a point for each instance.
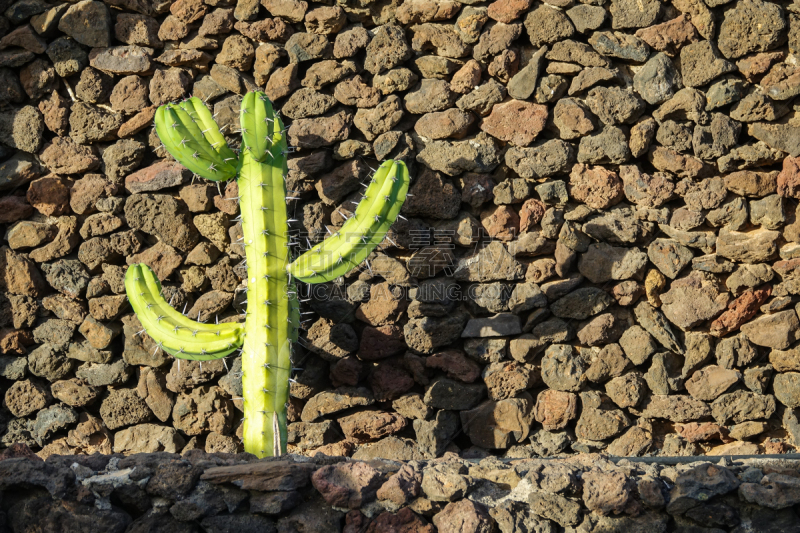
(26, 397)
(595, 186)
(606, 492)
(265, 30)
(18, 275)
(669, 160)
(162, 258)
(711, 381)
(205, 408)
(462, 516)
(321, 131)
(554, 409)
(50, 195)
(455, 364)
(366, 426)
(140, 121)
(777, 331)
(751, 183)
(501, 222)
(161, 175)
(351, 484)
(466, 78)
(516, 122)
(453, 123)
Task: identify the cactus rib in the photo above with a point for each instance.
(272, 323)
(175, 333)
(367, 228)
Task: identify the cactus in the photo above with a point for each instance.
(271, 324)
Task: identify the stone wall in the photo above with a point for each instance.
(226, 493)
(600, 253)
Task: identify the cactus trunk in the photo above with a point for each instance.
(271, 313)
(272, 319)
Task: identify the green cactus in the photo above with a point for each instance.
(271, 323)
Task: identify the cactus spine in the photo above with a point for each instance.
(271, 325)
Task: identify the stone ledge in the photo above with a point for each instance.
(218, 492)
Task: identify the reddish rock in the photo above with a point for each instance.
(347, 371)
(453, 123)
(26, 38)
(466, 78)
(139, 121)
(218, 22)
(516, 121)
(403, 486)
(381, 342)
(455, 364)
(501, 222)
(530, 214)
(325, 20)
(64, 242)
(669, 160)
(384, 305)
(627, 292)
(172, 29)
(789, 178)
(169, 85)
(597, 187)
(19, 450)
(753, 66)
(739, 311)
(161, 175)
(389, 381)
(13, 208)
(700, 431)
(25, 397)
(50, 195)
(646, 189)
(670, 36)
(554, 409)
(229, 202)
(507, 11)
(350, 485)
(343, 448)
(463, 516)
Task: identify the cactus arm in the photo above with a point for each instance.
(259, 125)
(351, 245)
(208, 127)
(271, 308)
(184, 139)
(173, 332)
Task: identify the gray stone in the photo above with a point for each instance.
(658, 79)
